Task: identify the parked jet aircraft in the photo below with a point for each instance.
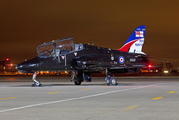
(84, 59)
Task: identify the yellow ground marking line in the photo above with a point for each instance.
(7, 98)
(53, 92)
(157, 98)
(172, 91)
(129, 108)
(85, 89)
(106, 86)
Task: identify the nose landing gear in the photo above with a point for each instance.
(36, 82)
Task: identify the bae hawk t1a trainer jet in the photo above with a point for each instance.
(84, 59)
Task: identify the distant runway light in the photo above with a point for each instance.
(165, 71)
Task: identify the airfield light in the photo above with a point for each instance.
(7, 59)
(149, 66)
(165, 71)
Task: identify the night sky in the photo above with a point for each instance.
(24, 24)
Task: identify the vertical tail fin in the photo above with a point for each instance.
(135, 41)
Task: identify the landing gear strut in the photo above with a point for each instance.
(36, 82)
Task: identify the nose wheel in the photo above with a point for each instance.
(36, 82)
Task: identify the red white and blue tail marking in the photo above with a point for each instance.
(135, 41)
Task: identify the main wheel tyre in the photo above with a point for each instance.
(77, 83)
(113, 81)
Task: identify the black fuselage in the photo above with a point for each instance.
(89, 59)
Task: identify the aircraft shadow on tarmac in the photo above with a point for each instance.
(103, 84)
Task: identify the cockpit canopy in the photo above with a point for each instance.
(58, 47)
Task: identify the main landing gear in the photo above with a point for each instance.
(111, 80)
(77, 77)
(36, 82)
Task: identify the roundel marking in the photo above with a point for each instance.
(121, 59)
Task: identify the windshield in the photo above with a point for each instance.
(55, 46)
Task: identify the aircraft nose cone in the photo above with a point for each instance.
(19, 67)
(29, 65)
